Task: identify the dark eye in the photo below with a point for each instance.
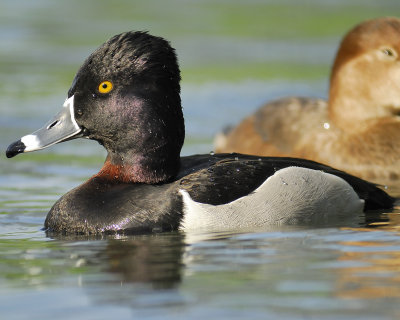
(105, 87)
(388, 52)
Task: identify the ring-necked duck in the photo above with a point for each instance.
(357, 130)
(126, 96)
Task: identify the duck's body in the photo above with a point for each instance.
(285, 128)
(127, 97)
(357, 130)
(104, 204)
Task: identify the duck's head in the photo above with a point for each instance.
(126, 96)
(365, 79)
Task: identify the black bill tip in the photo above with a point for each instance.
(15, 148)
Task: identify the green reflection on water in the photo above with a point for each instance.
(52, 38)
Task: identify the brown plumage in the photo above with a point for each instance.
(357, 130)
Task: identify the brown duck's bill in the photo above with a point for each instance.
(60, 128)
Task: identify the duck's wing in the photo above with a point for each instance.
(277, 128)
(222, 178)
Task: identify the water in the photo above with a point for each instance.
(321, 274)
(234, 56)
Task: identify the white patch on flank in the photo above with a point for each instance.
(31, 142)
(293, 195)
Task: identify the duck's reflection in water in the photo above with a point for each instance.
(155, 259)
(373, 269)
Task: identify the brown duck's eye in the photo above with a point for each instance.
(105, 87)
(389, 53)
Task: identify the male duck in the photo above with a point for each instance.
(357, 130)
(126, 96)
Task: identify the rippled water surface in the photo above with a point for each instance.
(234, 56)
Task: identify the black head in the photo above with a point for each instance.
(126, 96)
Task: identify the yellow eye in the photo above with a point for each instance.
(105, 87)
